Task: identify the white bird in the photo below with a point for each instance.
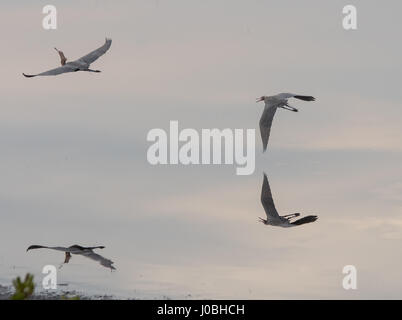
(271, 104)
(273, 218)
(83, 251)
(81, 64)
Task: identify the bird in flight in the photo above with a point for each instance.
(81, 64)
(271, 104)
(83, 251)
(273, 218)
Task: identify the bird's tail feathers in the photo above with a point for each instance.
(305, 98)
(304, 220)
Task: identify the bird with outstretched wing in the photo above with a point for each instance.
(79, 250)
(81, 64)
(272, 103)
(273, 217)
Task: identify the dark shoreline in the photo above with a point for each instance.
(7, 291)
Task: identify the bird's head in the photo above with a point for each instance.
(262, 98)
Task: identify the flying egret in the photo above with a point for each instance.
(83, 251)
(273, 218)
(271, 104)
(81, 64)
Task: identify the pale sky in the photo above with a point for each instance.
(74, 168)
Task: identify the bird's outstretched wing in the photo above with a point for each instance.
(266, 123)
(305, 98)
(84, 251)
(296, 96)
(267, 200)
(307, 219)
(64, 249)
(53, 72)
(92, 56)
(97, 257)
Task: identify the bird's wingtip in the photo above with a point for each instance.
(35, 246)
(28, 75)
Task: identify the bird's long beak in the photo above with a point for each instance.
(259, 99)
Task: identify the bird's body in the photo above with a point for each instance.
(272, 103)
(81, 64)
(79, 250)
(273, 217)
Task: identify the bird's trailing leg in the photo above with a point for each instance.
(290, 108)
(90, 70)
(66, 259)
(63, 59)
